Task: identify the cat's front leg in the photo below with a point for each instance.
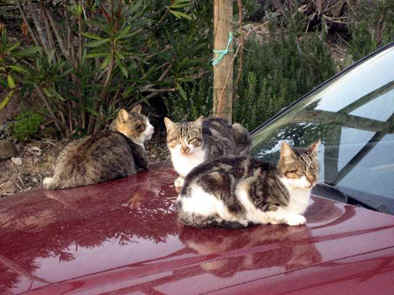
(178, 183)
(281, 216)
(295, 219)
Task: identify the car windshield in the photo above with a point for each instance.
(352, 114)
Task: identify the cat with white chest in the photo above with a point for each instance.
(205, 139)
(238, 191)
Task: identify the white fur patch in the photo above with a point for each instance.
(146, 135)
(47, 181)
(184, 163)
(201, 203)
(299, 194)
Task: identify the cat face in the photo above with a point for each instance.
(300, 167)
(185, 137)
(134, 125)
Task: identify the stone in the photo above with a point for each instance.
(7, 149)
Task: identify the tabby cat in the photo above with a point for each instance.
(111, 154)
(236, 191)
(205, 139)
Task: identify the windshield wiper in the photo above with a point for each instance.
(329, 191)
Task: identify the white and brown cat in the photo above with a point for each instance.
(194, 142)
(110, 154)
(238, 191)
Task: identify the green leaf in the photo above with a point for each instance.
(27, 52)
(92, 111)
(180, 4)
(98, 43)
(128, 91)
(65, 73)
(136, 6)
(181, 91)
(124, 32)
(106, 62)
(179, 14)
(18, 69)
(11, 82)
(128, 35)
(119, 55)
(47, 93)
(57, 95)
(122, 67)
(92, 36)
(6, 100)
(13, 47)
(97, 54)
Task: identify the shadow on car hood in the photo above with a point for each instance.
(123, 237)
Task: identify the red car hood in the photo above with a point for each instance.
(123, 237)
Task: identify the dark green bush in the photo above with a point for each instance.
(372, 27)
(193, 99)
(276, 73)
(98, 56)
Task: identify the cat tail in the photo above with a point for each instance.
(242, 139)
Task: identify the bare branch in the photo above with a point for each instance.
(43, 41)
(241, 41)
(57, 35)
(23, 14)
(51, 42)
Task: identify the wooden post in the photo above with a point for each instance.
(223, 71)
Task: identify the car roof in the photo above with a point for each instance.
(123, 236)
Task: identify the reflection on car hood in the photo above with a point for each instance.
(123, 237)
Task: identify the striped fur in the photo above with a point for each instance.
(104, 156)
(205, 139)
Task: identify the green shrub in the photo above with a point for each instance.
(98, 56)
(277, 72)
(193, 99)
(372, 26)
(26, 125)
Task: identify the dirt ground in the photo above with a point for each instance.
(35, 161)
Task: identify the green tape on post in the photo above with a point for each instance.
(221, 53)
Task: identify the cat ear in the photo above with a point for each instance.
(123, 115)
(169, 124)
(199, 120)
(285, 150)
(314, 146)
(137, 109)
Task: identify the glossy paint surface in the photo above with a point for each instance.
(123, 237)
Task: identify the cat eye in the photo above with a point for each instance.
(195, 141)
(139, 127)
(292, 174)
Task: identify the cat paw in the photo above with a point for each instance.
(179, 184)
(47, 182)
(295, 220)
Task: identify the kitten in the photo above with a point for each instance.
(236, 191)
(111, 154)
(205, 139)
